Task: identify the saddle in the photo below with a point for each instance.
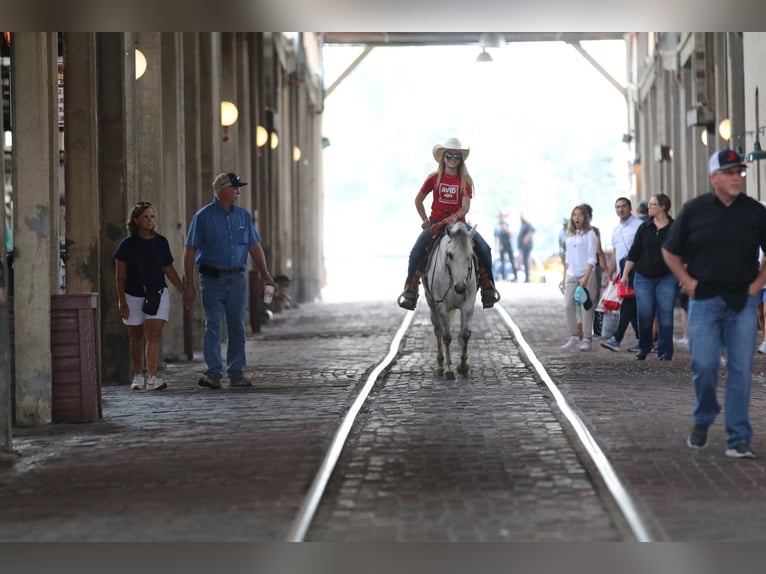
(437, 231)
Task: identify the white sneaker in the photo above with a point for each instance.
(585, 345)
(571, 343)
(154, 384)
(138, 384)
(762, 347)
(685, 342)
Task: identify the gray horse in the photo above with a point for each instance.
(450, 283)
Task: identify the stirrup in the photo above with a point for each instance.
(408, 303)
(487, 299)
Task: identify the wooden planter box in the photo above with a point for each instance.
(75, 355)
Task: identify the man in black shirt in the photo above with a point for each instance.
(712, 249)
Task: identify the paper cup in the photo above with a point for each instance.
(268, 294)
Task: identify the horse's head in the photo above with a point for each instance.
(459, 255)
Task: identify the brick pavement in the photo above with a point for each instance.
(193, 464)
(640, 413)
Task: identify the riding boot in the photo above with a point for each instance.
(489, 295)
(409, 297)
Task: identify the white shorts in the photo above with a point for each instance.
(137, 316)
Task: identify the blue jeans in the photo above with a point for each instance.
(224, 297)
(481, 247)
(655, 295)
(713, 328)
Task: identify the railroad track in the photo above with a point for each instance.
(547, 480)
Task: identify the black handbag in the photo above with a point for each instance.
(151, 298)
(151, 301)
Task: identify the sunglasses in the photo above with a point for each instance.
(142, 204)
(448, 155)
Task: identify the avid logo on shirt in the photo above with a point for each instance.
(448, 194)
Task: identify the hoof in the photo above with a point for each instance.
(440, 371)
(449, 375)
(462, 369)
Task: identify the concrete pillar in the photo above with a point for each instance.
(117, 190)
(194, 188)
(244, 159)
(35, 173)
(229, 78)
(172, 200)
(149, 119)
(81, 166)
(210, 111)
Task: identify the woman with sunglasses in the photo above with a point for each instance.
(452, 189)
(142, 261)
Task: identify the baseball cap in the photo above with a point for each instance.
(227, 180)
(724, 159)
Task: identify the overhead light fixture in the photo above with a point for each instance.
(140, 63)
(483, 56)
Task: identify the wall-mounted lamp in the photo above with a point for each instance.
(757, 154)
(140, 63)
(229, 115)
(724, 129)
(274, 140)
(261, 136)
(703, 137)
(296, 153)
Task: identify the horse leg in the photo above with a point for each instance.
(439, 346)
(449, 374)
(465, 335)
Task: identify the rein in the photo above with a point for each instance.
(451, 278)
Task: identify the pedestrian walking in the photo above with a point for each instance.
(713, 249)
(654, 284)
(525, 243)
(220, 237)
(579, 278)
(622, 239)
(503, 236)
(142, 262)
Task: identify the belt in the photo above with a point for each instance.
(210, 271)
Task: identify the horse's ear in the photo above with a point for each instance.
(448, 230)
(473, 230)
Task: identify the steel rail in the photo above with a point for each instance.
(616, 489)
(311, 501)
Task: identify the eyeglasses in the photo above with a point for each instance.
(448, 155)
(733, 171)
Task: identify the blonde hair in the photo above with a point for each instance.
(465, 177)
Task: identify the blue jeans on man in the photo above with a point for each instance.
(714, 327)
(224, 297)
(655, 296)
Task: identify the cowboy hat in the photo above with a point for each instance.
(452, 143)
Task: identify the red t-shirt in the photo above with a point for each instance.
(447, 197)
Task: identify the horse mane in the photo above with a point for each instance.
(460, 235)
